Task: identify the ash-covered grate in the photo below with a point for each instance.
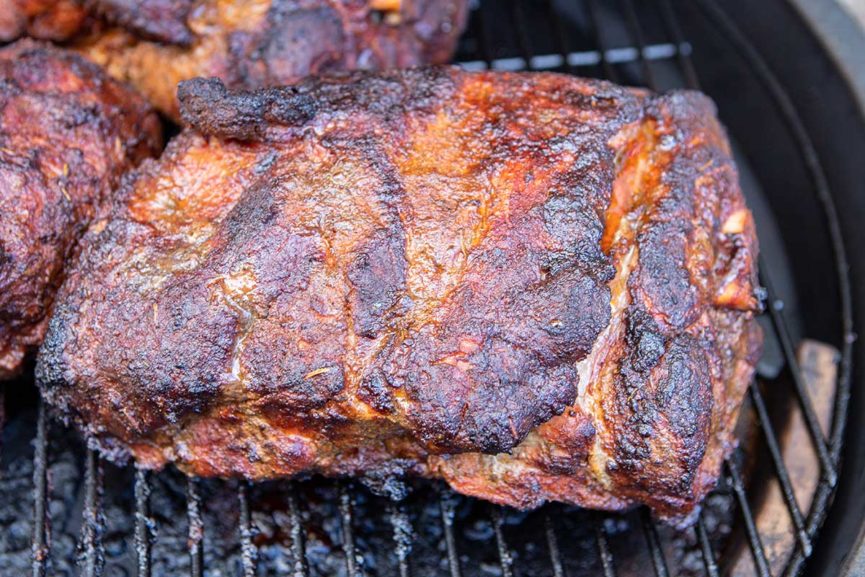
(63, 512)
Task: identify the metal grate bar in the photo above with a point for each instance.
(604, 550)
(607, 69)
(403, 536)
(195, 540)
(583, 59)
(553, 546)
(522, 38)
(506, 560)
(706, 548)
(248, 551)
(352, 559)
(637, 32)
(558, 34)
(779, 323)
(484, 48)
(40, 546)
(298, 538)
(754, 541)
(780, 469)
(659, 562)
(93, 556)
(448, 512)
(143, 523)
(684, 56)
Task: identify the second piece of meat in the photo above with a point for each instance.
(67, 134)
(154, 45)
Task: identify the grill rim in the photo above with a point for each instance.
(822, 497)
(818, 73)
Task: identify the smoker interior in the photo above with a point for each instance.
(64, 512)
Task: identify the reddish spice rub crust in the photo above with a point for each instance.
(55, 20)
(67, 134)
(534, 286)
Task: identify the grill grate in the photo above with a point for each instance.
(604, 551)
(706, 548)
(553, 544)
(780, 469)
(353, 563)
(402, 536)
(448, 513)
(40, 480)
(828, 455)
(602, 59)
(143, 523)
(298, 542)
(249, 554)
(754, 541)
(196, 529)
(92, 554)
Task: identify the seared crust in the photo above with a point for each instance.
(155, 44)
(164, 21)
(534, 286)
(665, 379)
(67, 133)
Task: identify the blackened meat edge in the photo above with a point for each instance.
(533, 286)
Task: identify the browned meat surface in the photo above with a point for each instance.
(536, 287)
(67, 133)
(154, 44)
(46, 19)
